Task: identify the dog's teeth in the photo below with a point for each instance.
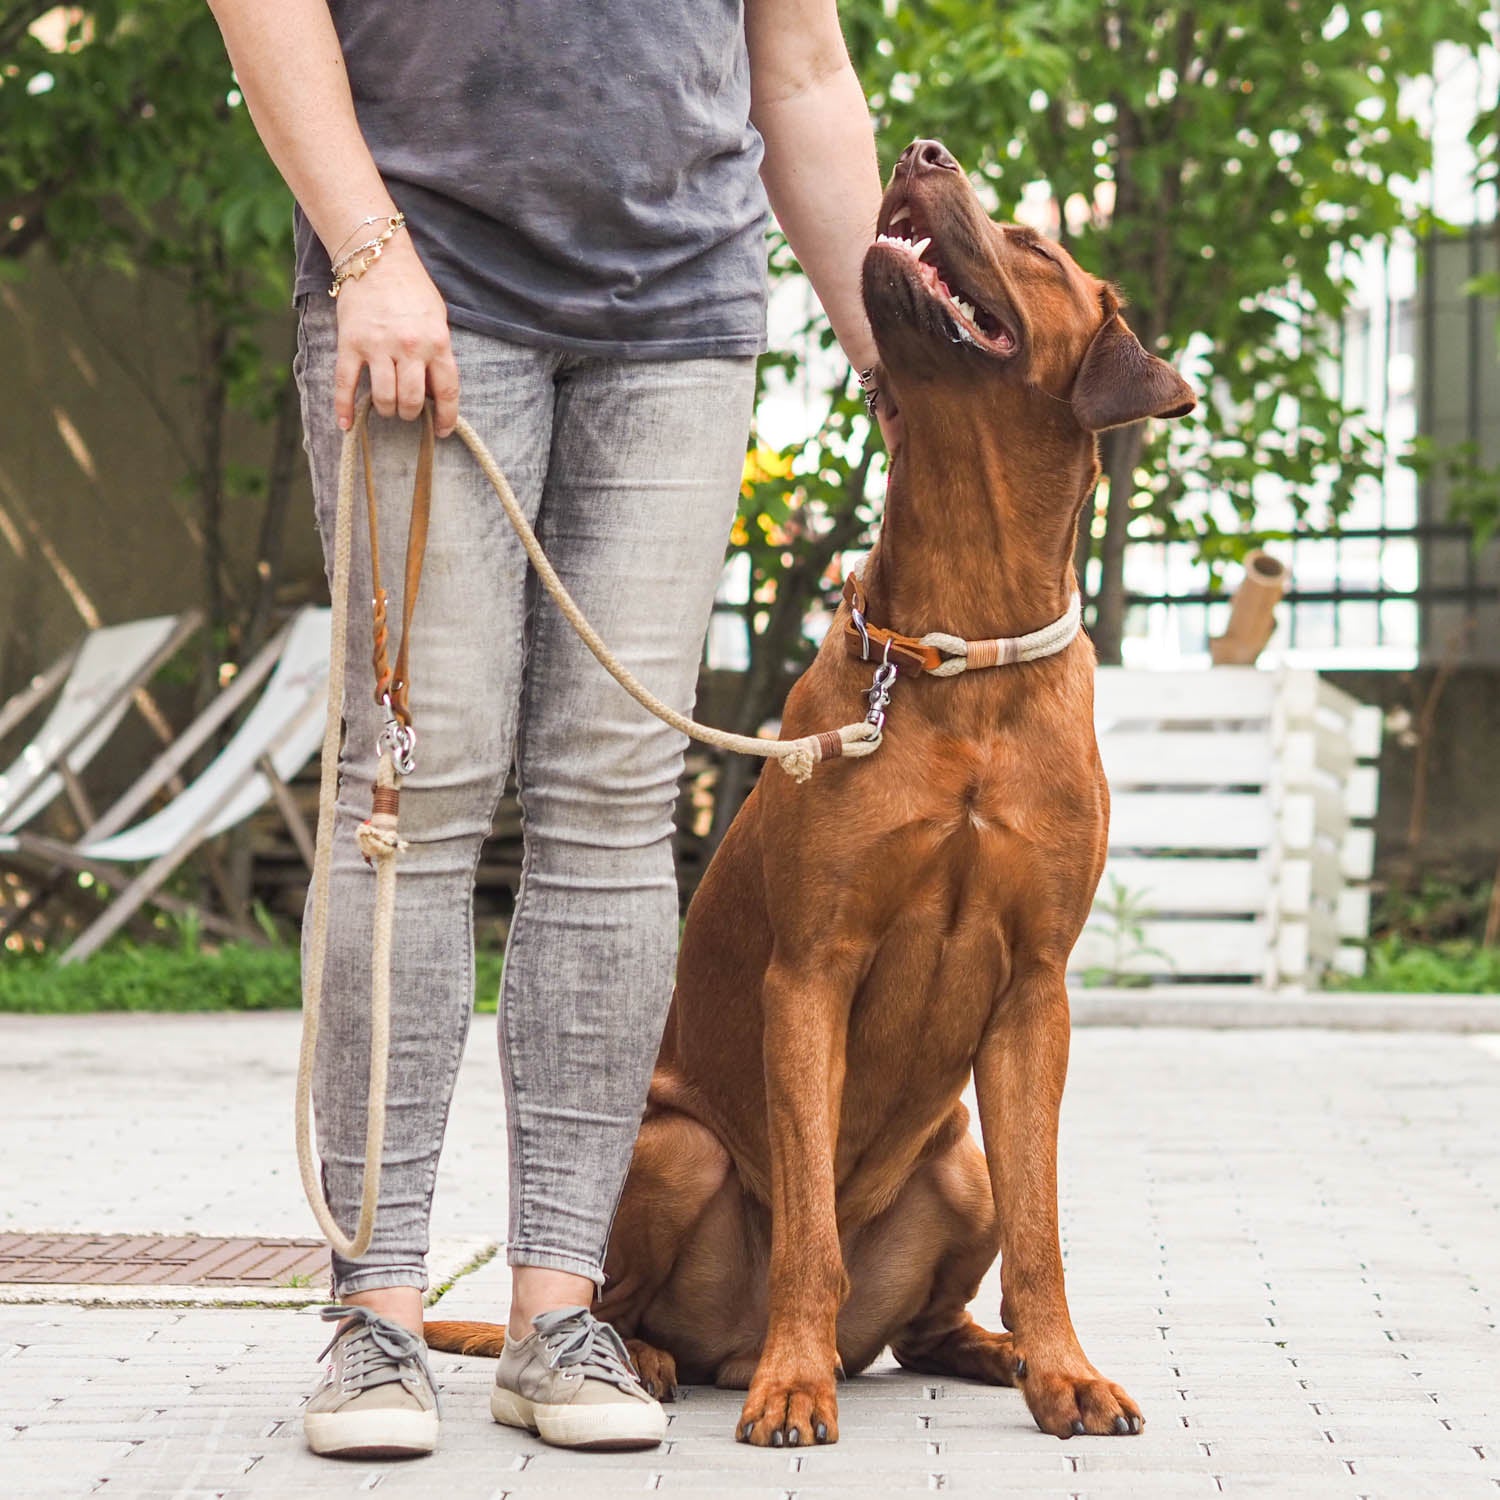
(918, 246)
(901, 213)
(966, 308)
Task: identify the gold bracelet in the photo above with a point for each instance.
(357, 262)
(368, 219)
(354, 254)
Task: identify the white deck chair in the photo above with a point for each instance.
(102, 677)
(278, 737)
(38, 690)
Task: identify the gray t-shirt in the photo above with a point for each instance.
(580, 176)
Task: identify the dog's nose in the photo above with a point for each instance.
(931, 154)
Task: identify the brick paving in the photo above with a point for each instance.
(155, 1259)
(1285, 1244)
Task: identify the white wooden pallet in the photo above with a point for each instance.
(1240, 827)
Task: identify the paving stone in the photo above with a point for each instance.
(1269, 1236)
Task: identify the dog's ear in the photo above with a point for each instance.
(1119, 382)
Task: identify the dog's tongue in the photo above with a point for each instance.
(933, 277)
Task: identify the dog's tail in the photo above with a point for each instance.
(486, 1339)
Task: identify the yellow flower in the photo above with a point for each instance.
(763, 463)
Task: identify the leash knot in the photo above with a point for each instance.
(378, 836)
(379, 843)
(799, 763)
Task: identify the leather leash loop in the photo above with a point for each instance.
(392, 687)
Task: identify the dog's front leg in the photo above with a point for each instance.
(806, 1008)
(1018, 1078)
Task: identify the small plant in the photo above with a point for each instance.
(267, 924)
(1459, 966)
(1433, 910)
(188, 926)
(1121, 918)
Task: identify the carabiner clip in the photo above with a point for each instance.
(400, 739)
(879, 693)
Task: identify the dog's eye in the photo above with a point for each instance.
(1037, 248)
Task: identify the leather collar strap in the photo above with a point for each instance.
(948, 655)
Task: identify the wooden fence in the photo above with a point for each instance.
(1240, 841)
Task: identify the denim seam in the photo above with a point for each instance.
(554, 1260)
(378, 1278)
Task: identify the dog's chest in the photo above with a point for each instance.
(993, 857)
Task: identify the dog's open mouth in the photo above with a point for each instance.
(972, 321)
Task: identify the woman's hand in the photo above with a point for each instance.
(393, 320)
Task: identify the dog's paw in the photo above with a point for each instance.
(789, 1413)
(1069, 1403)
(969, 1351)
(657, 1369)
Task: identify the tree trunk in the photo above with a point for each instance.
(213, 344)
(1120, 451)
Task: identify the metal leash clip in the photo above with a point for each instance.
(864, 635)
(880, 693)
(400, 739)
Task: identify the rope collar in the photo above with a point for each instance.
(947, 655)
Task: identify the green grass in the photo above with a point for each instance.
(1426, 940)
(242, 977)
(1459, 966)
(128, 978)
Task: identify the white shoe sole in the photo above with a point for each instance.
(371, 1434)
(616, 1425)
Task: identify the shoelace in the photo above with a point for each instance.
(375, 1353)
(574, 1336)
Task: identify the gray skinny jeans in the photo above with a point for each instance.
(629, 470)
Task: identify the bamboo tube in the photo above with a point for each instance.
(1252, 617)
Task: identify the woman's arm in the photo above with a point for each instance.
(820, 170)
(286, 57)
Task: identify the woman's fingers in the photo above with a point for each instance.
(392, 320)
(383, 395)
(411, 387)
(345, 382)
(442, 382)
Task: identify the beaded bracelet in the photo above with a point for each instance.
(362, 257)
(868, 388)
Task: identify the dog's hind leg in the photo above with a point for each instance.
(942, 1230)
(677, 1170)
(943, 1339)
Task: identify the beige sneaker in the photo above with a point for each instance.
(376, 1398)
(571, 1382)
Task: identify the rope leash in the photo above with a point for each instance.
(379, 837)
(797, 757)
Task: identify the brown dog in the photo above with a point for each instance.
(805, 1190)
